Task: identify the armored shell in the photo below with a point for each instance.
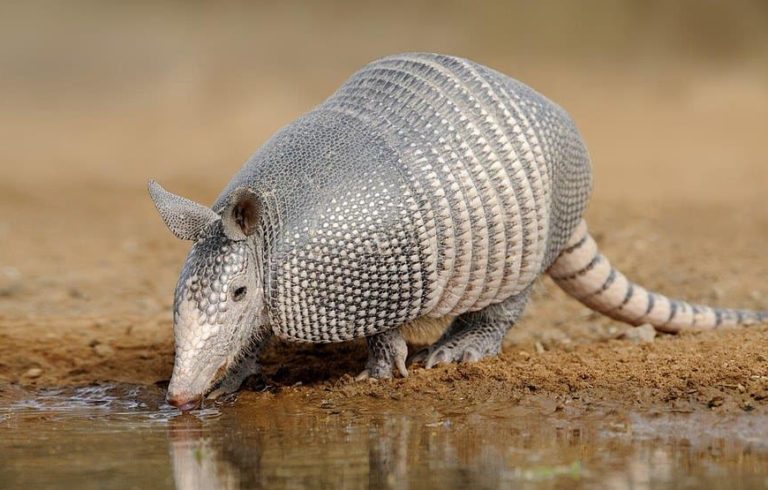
(426, 185)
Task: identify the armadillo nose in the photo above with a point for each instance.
(185, 403)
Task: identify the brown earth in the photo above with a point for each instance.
(681, 174)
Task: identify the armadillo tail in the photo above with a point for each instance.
(584, 273)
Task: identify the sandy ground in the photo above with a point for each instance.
(681, 173)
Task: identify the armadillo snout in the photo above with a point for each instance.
(184, 402)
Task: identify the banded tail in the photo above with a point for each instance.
(584, 273)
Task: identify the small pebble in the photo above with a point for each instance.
(33, 373)
(641, 335)
(716, 402)
(103, 350)
(539, 347)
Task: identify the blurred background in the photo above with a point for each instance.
(111, 93)
(99, 97)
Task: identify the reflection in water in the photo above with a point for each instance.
(211, 454)
(197, 463)
(283, 443)
(388, 453)
(122, 436)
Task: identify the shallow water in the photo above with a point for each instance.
(121, 436)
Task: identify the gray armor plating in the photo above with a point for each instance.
(215, 260)
(426, 185)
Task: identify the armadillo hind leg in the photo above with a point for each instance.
(387, 352)
(475, 335)
(247, 366)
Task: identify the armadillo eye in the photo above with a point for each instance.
(239, 293)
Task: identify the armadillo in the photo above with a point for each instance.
(426, 187)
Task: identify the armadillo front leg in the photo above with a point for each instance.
(474, 335)
(245, 367)
(386, 351)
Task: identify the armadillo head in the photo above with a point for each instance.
(218, 307)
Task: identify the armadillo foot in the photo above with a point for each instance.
(387, 352)
(475, 335)
(234, 379)
(465, 346)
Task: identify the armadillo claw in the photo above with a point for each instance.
(446, 354)
(234, 380)
(363, 375)
(379, 370)
(439, 356)
(418, 357)
(387, 352)
(470, 355)
(400, 365)
(222, 391)
(230, 385)
(216, 394)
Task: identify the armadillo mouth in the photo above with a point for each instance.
(193, 391)
(185, 404)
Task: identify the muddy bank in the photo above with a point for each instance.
(725, 371)
(98, 310)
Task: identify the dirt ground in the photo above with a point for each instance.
(681, 175)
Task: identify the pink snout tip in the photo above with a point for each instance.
(184, 402)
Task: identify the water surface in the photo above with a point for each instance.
(122, 436)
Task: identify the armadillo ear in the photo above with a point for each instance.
(185, 218)
(241, 216)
